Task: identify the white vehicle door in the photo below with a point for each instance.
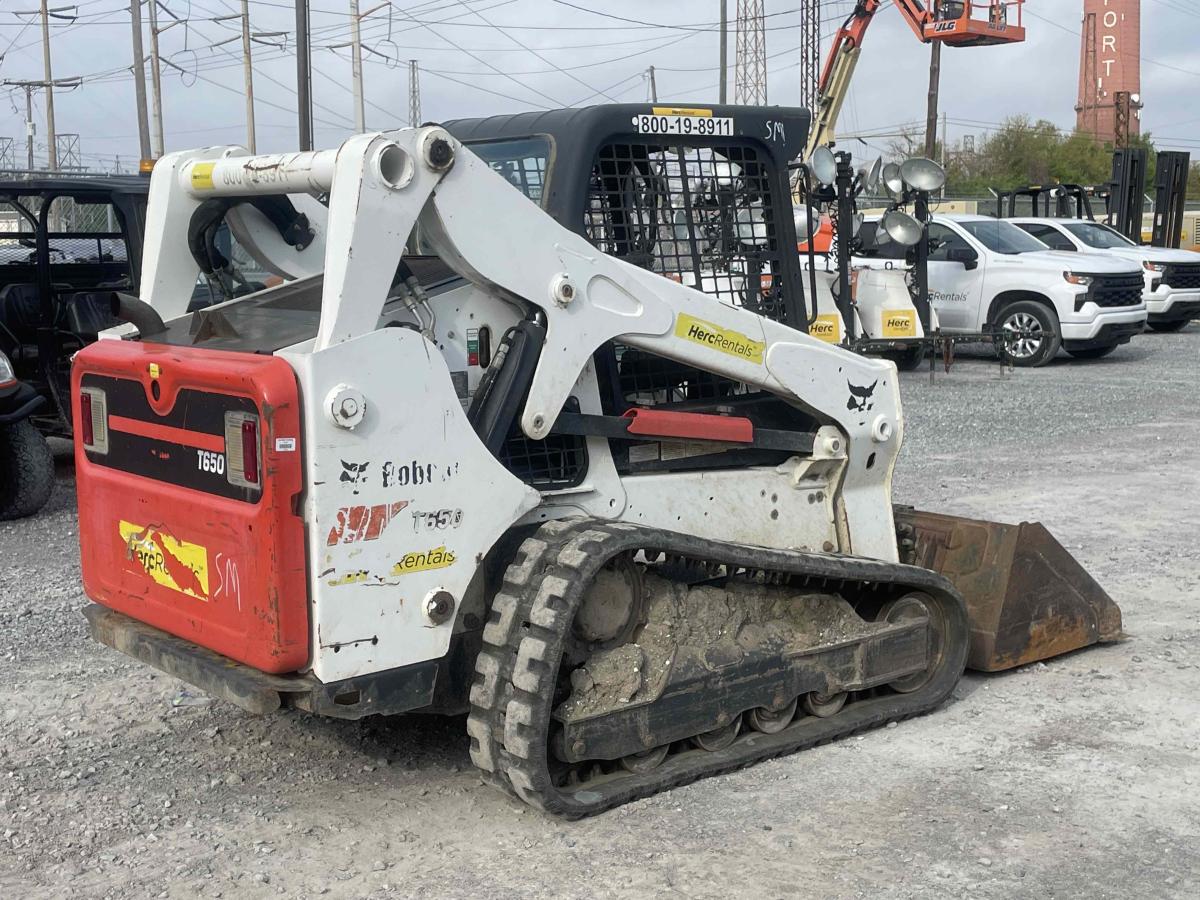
(955, 278)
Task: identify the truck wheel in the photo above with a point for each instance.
(1092, 352)
(1037, 327)
(1176, 325)
(908, 360)
(26, 470)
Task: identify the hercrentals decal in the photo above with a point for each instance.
(437, 558)
(717, 338)
(178, 565)
(898, 323)
(825, 328)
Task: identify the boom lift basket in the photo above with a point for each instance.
(1028, 598)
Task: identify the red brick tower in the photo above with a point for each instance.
(1109, 66)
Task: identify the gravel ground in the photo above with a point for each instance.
(1078, 777)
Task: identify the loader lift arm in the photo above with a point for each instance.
(953, 23)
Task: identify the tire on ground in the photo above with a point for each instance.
(1031, 312)
(908, 360)
(26, 470)
(1166, 327)
(1092, 352)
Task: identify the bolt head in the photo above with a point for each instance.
(439, 607)
(440, 153)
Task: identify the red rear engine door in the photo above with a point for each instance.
(189, 483)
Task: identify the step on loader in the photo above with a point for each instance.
(529, 432)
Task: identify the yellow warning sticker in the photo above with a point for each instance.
(682, 111)
(178, 565)
(437, 558)
(202, 176)
(899, 323)
(827, 328)
(716, 337)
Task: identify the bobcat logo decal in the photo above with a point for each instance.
(860, 397)
(354, 473)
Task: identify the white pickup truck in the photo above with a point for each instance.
(987, 274)
(1172, 277)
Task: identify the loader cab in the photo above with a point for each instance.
(699, 195)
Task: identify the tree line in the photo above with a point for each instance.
(1024, 151)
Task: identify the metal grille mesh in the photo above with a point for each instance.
(700, 215)
(559, 461)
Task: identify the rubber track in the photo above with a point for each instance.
(512, 695)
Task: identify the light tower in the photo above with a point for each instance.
(750, 67)
(1109, 68)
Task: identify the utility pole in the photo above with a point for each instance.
(931, 112)
(49, 79)
(724, 48)
(356, 75)
(653, 87)
(248, 67)
(30, 126)
(139, 78)
(414, 95)
(157, 145)
(945, 143)
(303, 76)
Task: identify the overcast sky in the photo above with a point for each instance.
(604, 60)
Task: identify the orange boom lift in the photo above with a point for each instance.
(957, 24)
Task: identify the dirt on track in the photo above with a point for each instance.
(1075, 778)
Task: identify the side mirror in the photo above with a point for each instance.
(965, 255)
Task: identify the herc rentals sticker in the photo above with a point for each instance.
(898, 323)
(826, 328)
(437, 558)
(178, 565)
(717, 338)
(202, 176)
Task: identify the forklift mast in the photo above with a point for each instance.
(1170, 192)
(1127, 187)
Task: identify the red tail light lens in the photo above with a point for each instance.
(250, 450)
(241, 450)
(92, 424)
(85, 420)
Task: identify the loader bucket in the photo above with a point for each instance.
(1027, 597)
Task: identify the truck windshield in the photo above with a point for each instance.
(1002, 237)
(1098, 236)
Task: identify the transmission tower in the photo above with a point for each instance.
(66, 147)
(810, 52)
(414, 95)
(8, 154)
(750, 67)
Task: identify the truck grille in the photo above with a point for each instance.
(1118, 290)
(1183, 276)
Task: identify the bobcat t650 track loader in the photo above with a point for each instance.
(520, 438)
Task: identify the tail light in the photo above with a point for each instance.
(241, 449)
(93, 420)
